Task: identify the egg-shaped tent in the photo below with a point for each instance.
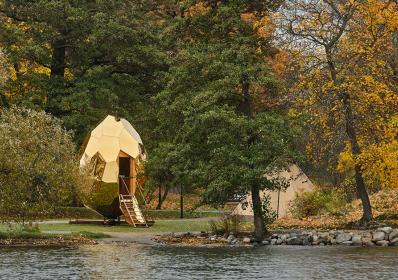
(280, 201)
(113, 153)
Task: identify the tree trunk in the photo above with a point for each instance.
(181, 203)
(58, 59)
(259, 226)
(245, 107)
(356, 151)
(162, 198)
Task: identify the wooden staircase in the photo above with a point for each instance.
(131, 211)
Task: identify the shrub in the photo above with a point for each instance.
(38, 167)
(226, 225)
(318, 202)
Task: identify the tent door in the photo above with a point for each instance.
(124, 175)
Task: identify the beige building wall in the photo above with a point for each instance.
(297, 182)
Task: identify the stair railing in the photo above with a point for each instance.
(133, 200)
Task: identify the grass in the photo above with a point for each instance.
(175, 214)
(21, 232)
(159, 226)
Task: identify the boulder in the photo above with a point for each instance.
(347, 243)
(246, 240)
(367, 241)
(357, 239)
(394, 242)
(265, 242)
(294, 241)
(386, 230)
(393, 234)
(323, 234)
(306, 240)
(314, 239)
(284, 237)
(378, 236)
(382, 243)
(230, 237)
(279, 241)
(273, 241)
(343, 237)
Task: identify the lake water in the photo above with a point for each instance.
(133, 261)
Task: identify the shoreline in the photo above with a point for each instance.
(44, 242)
(382, 237)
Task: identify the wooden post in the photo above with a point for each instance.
(181, 203)
(277, 209)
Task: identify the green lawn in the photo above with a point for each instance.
(159, 226)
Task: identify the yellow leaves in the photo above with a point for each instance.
(346, 161)
(279, 63)
(264, 27)
(380, 164)
(198, 8)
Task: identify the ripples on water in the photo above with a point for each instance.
(118, 261)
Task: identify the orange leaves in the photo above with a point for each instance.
(199, 8)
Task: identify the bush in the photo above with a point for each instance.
(226, 225)
(38, 167)
(318, 202)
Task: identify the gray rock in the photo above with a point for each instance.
(284, 237)
(378, 236)
(394, 242)
(231, 237)
(393, 234)
(367, 234)
(279, 241)
(356, 239)
(315, 238)
(213, 238)
(343, 237)
(246, 240)
(367, 241)
(274, 236)
(294, 241)
(333, 241)
(386, 230)
(265, 242)
(273, 241)
(382, 243)
(306, 241)
(347, 243)
(323, 234)
(333, 233)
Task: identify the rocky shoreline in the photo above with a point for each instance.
(56, 241)
(384, 236)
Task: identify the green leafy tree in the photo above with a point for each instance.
(81, 60)
(38, 167)
(220, 104)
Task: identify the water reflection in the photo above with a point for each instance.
(132, 261)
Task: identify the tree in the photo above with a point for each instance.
(158, 168)
(345, 86)
(219, 106)
(38, 167)
(81, 60)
